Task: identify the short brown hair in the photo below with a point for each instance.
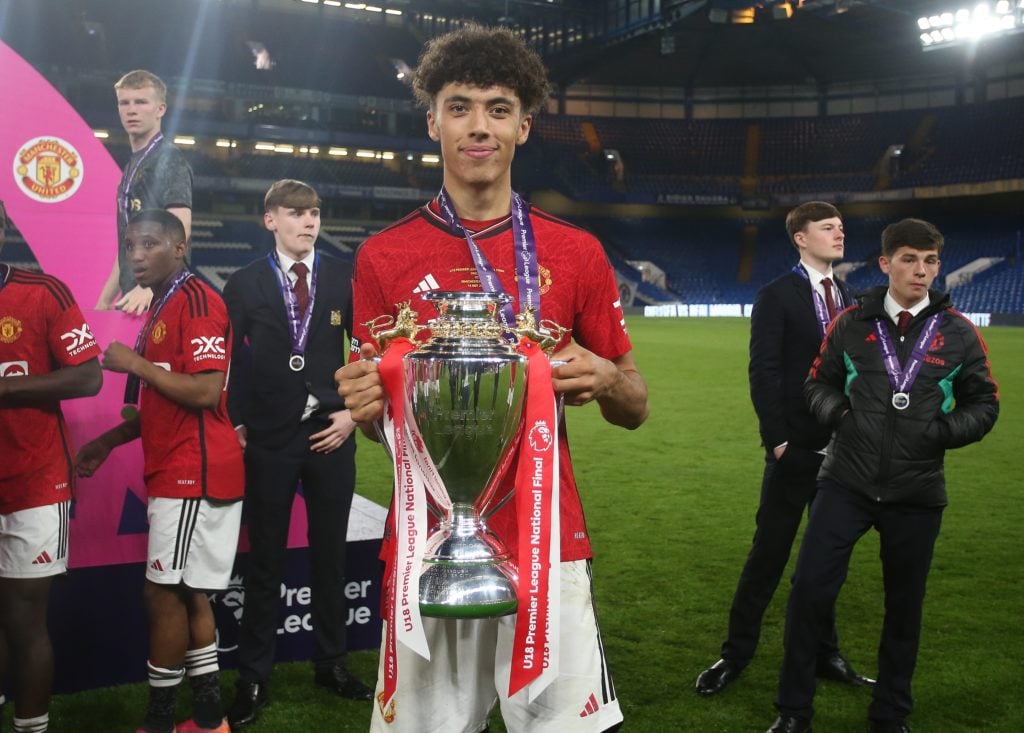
(914, 233)
(141, 78)
(291, 194)
(804, 214)
(481, 57)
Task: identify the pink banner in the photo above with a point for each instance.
(59, 188)
(61, 183)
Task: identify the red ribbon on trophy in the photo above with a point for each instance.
(401, 607)
(535, 643)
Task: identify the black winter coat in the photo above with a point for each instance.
(890, 455)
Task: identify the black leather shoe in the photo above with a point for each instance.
(888, 726)
(717, 677)
(250, 698)
(338, 680)
(837, 669)
(789, 724)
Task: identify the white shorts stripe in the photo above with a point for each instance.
(64, 511)
(186, 525)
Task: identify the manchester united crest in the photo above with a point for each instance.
(48, 169)
(10, 329)
(159, 332)
(544, 276)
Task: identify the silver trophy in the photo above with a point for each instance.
(465, 388)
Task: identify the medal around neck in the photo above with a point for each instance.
(297, 362)
(900, 400)
(464, 389)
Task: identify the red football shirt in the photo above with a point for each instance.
(41, 330)
(578, 291)
(188, 452)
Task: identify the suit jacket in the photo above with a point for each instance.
(264, 394)
(784, 340)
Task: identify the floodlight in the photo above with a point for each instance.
(972, 25)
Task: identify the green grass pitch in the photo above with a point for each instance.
(671, 513)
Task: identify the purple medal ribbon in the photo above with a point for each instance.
(298, 325)
(820, 308)
(131, 387)
(527, 270)
(902, 378)
(126, 196)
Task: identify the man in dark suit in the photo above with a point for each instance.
(787, 325)
(288, 311)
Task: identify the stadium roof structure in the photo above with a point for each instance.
(712, 43)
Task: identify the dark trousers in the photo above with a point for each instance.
(787, 487)
(839, 518)
(272, 477)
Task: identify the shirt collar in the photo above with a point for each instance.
(815, 276)
(287, 262)
(892, 308)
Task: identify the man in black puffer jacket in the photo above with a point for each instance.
(901, 377)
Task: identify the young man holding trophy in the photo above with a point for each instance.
(480, 88)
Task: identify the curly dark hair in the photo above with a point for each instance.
(481, 57)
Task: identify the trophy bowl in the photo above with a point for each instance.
(466, 388)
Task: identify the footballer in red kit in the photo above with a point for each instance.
(47, 354)
(41, 330)
(480, 88)
(189, 453)
(577, 287)
(193, 467)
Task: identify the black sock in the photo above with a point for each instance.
(163, 699)
(206, 709)
(203, 672)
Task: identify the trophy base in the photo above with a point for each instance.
(466, 590)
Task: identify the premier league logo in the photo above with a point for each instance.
(227, 610)
(540, 436)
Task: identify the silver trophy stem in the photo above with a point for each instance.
(466, 573)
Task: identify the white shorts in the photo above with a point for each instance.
(34, 542)
(192, 542)
(469, 671)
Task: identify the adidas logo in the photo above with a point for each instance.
(590, 708)
(426, 284)
(155, 565)
(43, 559)
(871, 337)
